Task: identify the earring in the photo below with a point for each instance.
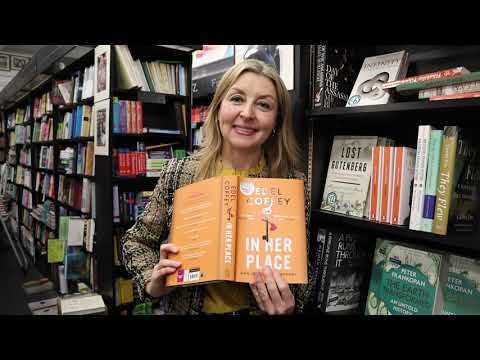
(273, 132)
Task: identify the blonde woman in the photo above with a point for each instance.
(248, 132)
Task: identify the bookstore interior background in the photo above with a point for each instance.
(389, 140)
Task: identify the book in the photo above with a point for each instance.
(467, 95)
(453, 158)
(434, 149)
(342, 268)
(333, 72)
(461, 286)
(374, 73)
(349, 172)
(403, 184)
(413, 87)
(229, 227)
(404, 280)
(423, 141)
(445, 73)
(82, 304)
(460, 88)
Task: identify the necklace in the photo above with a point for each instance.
(255, 171)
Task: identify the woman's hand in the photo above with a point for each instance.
(156, 285)
(272, 293)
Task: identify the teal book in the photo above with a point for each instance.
(461, 288)
(433, 166)
(404, 281)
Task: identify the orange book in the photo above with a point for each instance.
(386, 183)
(228, 227)
(374, 183)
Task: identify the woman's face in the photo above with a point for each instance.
(248, 113)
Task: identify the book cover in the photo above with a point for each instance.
(343, 268)
(349, 172)
(229, 227)
(461, 287)
(374, 73)
(404, 280)
(334, 71)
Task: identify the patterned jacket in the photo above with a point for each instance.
(141, 243)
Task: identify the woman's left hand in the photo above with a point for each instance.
(272, 293)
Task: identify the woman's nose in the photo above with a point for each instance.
(247, 111)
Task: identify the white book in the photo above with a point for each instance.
(81, 304)
(41, 304)
(378, 211)
(90, 232)
(145, 86)
(376, 71)
(86, 195)
(453, 89)
(52, 310)
(420, 175)
(62, 279)
(402, 185)
(348, 176)
(75, 232)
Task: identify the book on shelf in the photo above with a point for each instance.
(404, 280)
(348, 176)
(342, 267)
(123, 291)
(468, 95)
(374, 73)
(333, 73)
(454, 89)
(228, 227)
(403, 185)
(461, 287)
(420, 175)
(440, 74)
(433, 165)
(414, 87)
(457, 185)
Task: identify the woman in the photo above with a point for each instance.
(247, 132)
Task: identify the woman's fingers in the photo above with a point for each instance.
(166, 249)
(167, 263)
(283, 288)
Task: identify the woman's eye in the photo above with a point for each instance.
(236, 98)
(264, 105)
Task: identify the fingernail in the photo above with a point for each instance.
(177, 263)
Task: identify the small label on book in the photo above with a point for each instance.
(429, 206)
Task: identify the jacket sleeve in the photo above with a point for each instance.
(141, 243)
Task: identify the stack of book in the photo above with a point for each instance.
(444, 84)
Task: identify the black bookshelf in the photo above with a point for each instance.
(398, 120)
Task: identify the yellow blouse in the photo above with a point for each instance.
(226, 296)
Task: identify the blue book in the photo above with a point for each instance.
(116, 116)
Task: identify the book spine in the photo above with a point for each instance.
(419, 177)
(319, 76)
(228, 227)
(323, 291)
(378, 205)
(445, 180)
(424, 77)
(399, 158)
(387, 150)
(321, 236)
(434, 150)
(467, 95)
(417, 86)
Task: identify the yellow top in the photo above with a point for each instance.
(229, 296)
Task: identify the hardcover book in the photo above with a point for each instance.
(342, 269)
(404, 281)
(228, 227)
(333, 73)
(446, 73)
(374, 73)
(413, 87)
(348, 177)
(461, 288)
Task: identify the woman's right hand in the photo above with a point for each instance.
(156, 285)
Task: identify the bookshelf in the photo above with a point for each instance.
(398, 120)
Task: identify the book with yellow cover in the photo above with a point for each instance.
(228, 227)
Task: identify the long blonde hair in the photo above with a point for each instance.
(281, 150)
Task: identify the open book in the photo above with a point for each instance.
(228, 227)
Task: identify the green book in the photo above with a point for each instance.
(434, 150)
(461, 287)
(55, 250)
(404, 281)
(416, 86)
(63, 228)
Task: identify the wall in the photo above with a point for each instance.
(6, 76)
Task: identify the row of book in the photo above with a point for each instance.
(24, 177)
(127, 206)
(45, 160)
(27, 199)
(358, 274)
(42, 130)
(44, 212)
(445, 185)
(22, 134)
(127, 116)
(76, 124)
(77, 231)
(78, 194)
(24, 157)
(42, 105)
(45, 184)
(79, 87)
(155, 76)
(77, 160)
